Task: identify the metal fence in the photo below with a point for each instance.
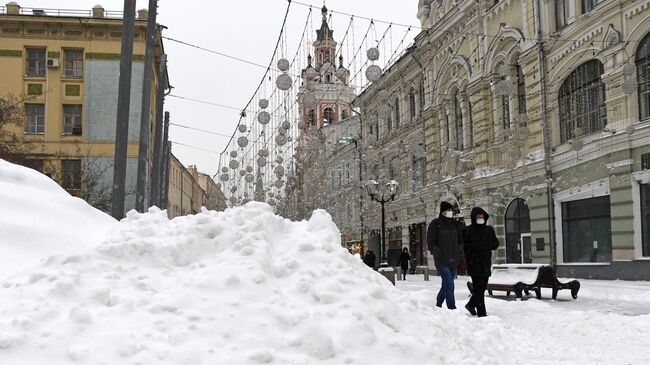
(77, 13)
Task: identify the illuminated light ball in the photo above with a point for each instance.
(272, 202)
(373, 54)
(629, 86)
(249, 169)
(249, 178)
(242, 128)
(234, 164)
(577, 144)
(224, 177)
(373, 73)
(233, 154)
(264, 118)
(261, 161)
(286, 125)
(284, 82)
(279, 183)
(279, 159)
(264, 103)
(242, 172)
(280, 139)
(224, 169)
(283, 64)
(628, 69)
(242, 141)
(263, 152)
(279, 170)
(233, 189)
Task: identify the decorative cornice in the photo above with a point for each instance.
(584, 38)
(638, 8)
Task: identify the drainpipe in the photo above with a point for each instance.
(547, 137)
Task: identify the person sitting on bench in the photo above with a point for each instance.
(479, 241)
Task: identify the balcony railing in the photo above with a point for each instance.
(75, 13)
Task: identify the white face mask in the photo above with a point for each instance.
(448, 214)
(480, 221)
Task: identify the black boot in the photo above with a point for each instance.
(470, 309)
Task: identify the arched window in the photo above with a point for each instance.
(521, 91)
(643, 77)
(505, 108)
(311, 117)
(470, 137)
(421, 94)
(582, 101)
(328, 116)
(393, 168)
(412, 102)
(458, 122)
(397, 113)
(344, 114)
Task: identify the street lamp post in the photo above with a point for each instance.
(373, 191)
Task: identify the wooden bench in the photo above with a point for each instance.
(524, 278)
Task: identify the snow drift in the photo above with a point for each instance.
(237, 287)
(38, 218)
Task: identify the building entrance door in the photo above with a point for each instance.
(517, 221)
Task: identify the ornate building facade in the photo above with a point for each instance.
(538, 111)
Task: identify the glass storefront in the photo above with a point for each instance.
(586, 230)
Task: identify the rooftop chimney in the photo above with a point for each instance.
(98, 11)
(13, 8)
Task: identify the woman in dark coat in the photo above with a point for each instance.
(479, 242)
(404, 261)
(369, 259)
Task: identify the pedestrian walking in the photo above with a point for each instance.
(404, 259)
(445, 244)
(369, 259)
(479, 242)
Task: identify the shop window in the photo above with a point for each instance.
(645, 218)
(643, 77)
(582, 101)
(586, 230)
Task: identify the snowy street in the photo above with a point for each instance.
(609, 323)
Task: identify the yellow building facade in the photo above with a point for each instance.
(64, 66)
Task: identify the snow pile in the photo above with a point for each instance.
(237, 287)
(38, 218)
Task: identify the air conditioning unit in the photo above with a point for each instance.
(52, 63)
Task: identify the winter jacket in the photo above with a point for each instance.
(404, 260)
(443, 240)
(479, 241)
(369, 259)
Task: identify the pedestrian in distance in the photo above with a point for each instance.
(369, 259)
(404, 259)
(479, 242)
(444, 241)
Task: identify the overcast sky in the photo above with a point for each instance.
(245, 29)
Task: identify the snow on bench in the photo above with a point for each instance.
(522, 278)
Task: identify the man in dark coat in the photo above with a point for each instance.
(404, 259)
(445, 244)
(479, 242)
(369, 259)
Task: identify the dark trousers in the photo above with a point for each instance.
(446, 293)
(404, 270)
(479, 283)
